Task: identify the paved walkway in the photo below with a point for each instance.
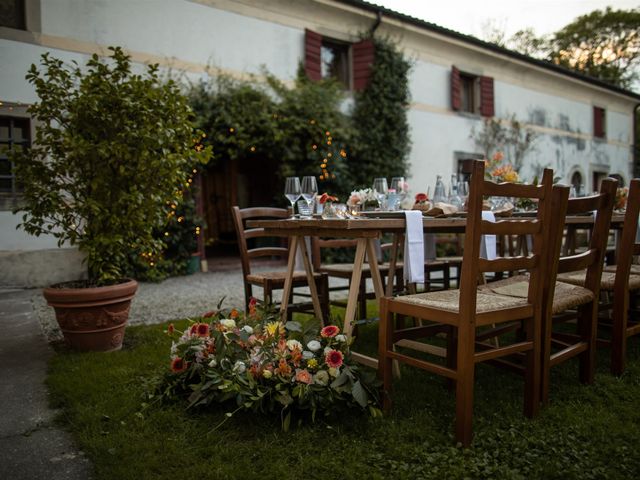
(32, 447)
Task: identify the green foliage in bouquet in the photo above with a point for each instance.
(255, 362)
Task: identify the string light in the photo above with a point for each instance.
(253, 149)
(232, 130)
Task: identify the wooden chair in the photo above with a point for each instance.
(343, 270)
(271, 248)
(565, 301)
(620, 283)
(460, 312)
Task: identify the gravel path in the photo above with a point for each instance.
(174, 298)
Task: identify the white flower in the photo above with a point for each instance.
(321, 378)
(267, 374)
(334, 372)
(307, 355)
(341, 338)
(327, 350)
(213, 363)
(239, 367)
(174, 348)
(314, 345)
(248, 329)
(293, 344)
(228, 323)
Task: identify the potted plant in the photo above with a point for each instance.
(113, 152)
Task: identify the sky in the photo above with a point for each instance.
(470, 16)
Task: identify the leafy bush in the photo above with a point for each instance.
(113, 150)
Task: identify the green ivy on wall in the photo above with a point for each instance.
(381, 143)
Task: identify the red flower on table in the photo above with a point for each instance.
(421, 197)
(325, 197)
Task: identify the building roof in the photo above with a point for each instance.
(370, 7)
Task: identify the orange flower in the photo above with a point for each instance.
(296, 356)
(234, 313)
(325, 197)
(170, 328)
(283, 368)
(252, 306)
(303, 376)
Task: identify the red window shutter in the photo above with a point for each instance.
(598, 124)
(486, 97)
(363, 54)
(312, 48)
(456, 94)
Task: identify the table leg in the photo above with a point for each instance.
(373, 266)
(354, 288)
(288, 280)
(393, 259)
(312, 284)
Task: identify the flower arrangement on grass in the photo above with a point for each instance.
(258, 363)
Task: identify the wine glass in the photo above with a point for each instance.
(309, 189)
(292, 192)
(463, 191)
(439, 193)
(381, 189)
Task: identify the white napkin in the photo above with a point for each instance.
(488, 242)
(414, 247)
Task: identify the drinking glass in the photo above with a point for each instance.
(463, 191)
(309, 189)
(381, 189)
(292, 192)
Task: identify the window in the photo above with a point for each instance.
(471, 93)
(577, 184)
(599, 122)
(12, 14)
(597, 180)
(14, 133)
(348, 63)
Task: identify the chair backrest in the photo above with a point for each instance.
(627, 245)
(536, 226)
(592, 259)
(248, 252)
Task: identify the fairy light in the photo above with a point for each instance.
(253, 149)
(232, 130)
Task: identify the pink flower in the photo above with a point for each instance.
(334, 358)
(178, 365)
(329, 331)
(303, 376)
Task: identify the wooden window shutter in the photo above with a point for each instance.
(456, 94)
(363, 54)
(312, 48)
(486, 97)
(598, 122)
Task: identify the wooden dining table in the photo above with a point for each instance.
(366, 231)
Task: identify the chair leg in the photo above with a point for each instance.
(532, 369)
(452, 354)
(620, 318)
(385, 344)
(587, 324)
(248, 293)
(362, 299)
(464, 385)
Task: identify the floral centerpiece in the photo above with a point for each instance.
(621, 198)
(255, 362)
(329, 210)
(365, 198)
(422, 202)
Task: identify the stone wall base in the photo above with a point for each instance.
(40, 268)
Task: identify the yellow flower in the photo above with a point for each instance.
(274, 328)
(313, 363)
(511, 176)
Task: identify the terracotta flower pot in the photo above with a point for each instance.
(93, 319)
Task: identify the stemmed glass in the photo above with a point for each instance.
(397, 186)
(309, 189)
(381, 189)
(292, 192)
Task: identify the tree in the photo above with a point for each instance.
(604, 44)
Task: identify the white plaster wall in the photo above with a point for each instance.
(179, 29)
(17, 239)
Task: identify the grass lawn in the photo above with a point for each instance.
(586, 432)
